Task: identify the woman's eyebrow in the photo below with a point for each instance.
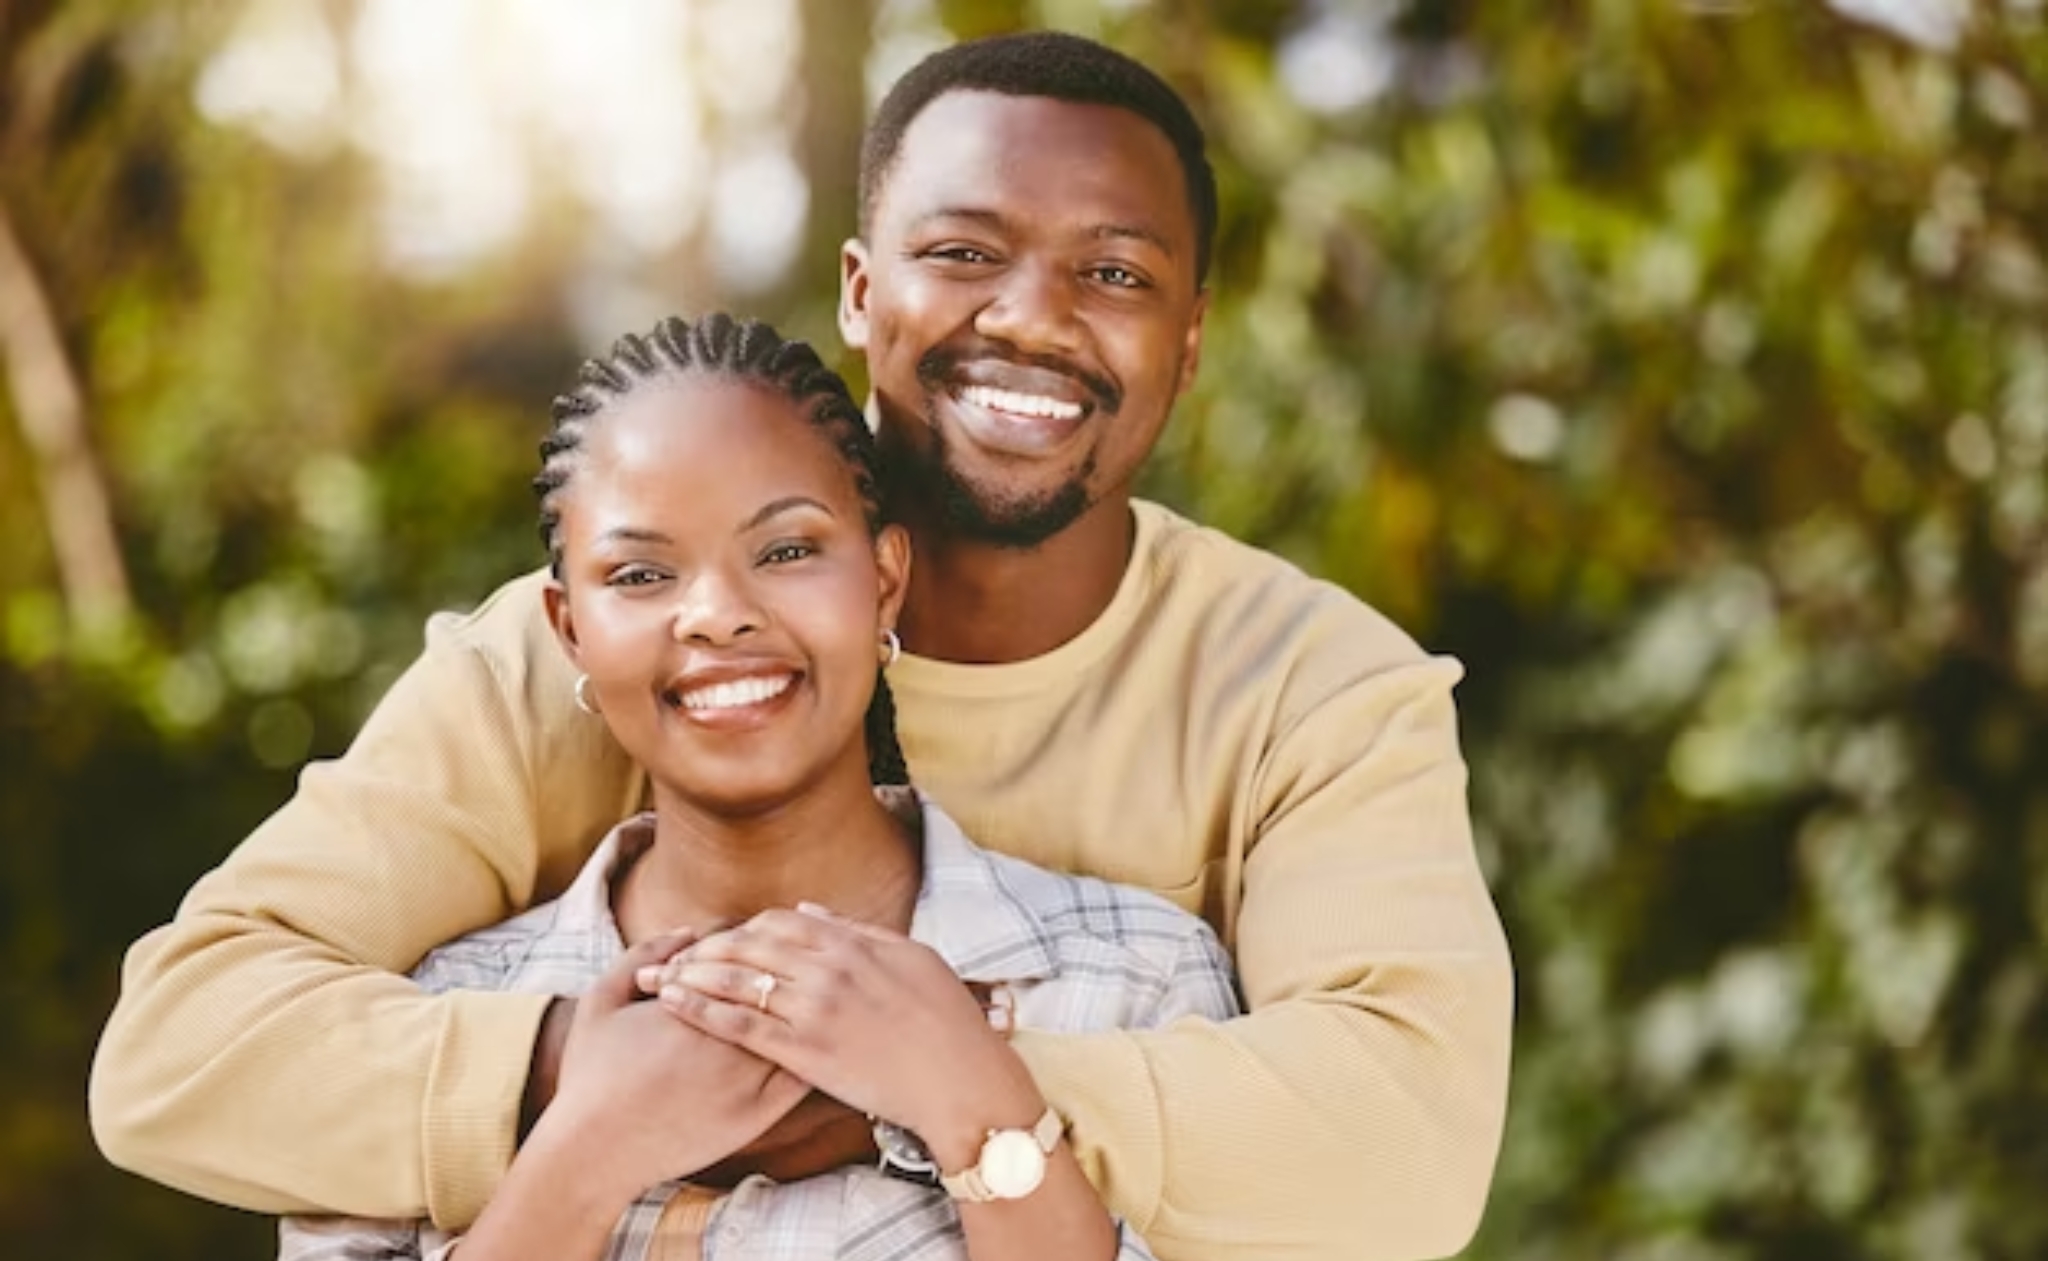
(777, 507)
(631, 534)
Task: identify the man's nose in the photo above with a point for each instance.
(717, 608)
(1033, 309)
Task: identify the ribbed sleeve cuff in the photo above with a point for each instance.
(471, 1114)
(1101, 1084)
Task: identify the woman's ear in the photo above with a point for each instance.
(892, 571)
(555, 597)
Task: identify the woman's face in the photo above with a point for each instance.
(720, 588)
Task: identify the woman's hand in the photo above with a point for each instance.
(655, 1098)
(865, 1014)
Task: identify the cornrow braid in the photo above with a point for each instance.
(743, 350)
(885, 753)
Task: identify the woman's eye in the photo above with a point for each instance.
(633, 576)
(960, 254)
(783, 553)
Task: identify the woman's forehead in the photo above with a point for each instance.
(704, 438)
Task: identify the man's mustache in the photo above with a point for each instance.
(939, 365)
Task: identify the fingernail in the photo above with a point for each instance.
(812, 908)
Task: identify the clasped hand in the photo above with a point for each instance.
(867, 1015)
(650, 1097)
(712, 1082)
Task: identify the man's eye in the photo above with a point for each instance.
(960, 254)
(1121, 277)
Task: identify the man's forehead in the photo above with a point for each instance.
(976, 117)
(966, 144)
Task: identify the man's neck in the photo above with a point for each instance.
(840, 849)
(979, 604)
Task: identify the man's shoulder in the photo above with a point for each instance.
(1227, 591)
(511, 622)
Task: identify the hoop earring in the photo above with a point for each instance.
(892, 648)
(583, 701)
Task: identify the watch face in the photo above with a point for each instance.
(1012, 1166)
(904, 1155)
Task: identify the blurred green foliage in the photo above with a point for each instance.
(1682, 368)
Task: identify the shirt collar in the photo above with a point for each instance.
(586, 905)
(967, 910)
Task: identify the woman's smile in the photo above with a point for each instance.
(732, 700)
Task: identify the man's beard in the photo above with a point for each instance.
(969, 510)
(976, 511)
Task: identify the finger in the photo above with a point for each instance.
(734, 983)
(617, 986)
(873, 932)
(765, 948)
(738, 1024)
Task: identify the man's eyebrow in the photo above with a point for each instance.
(1134, 232)
(994, 221)
(973, 214)
(775, 508)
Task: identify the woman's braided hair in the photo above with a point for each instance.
(743, 350)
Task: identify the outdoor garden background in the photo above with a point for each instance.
(1681, 367)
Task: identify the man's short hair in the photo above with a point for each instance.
(1057, 66)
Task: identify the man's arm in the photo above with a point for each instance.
(1356, 1113)
(264, 1051)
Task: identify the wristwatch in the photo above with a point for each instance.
(904, 1155)
(1012, 1163)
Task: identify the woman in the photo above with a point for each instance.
(725, 584)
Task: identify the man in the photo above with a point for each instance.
(1097, 685)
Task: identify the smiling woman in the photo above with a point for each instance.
(729, 624)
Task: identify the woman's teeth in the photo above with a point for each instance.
(736, 693)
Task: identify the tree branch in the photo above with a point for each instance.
(51, 408)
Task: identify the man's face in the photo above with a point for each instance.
(1028, 304)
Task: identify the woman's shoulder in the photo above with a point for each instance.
(1064, 907)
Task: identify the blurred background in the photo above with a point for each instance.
(1682, 367)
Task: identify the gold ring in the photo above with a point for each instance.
(764, 985)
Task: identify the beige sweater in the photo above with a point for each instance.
(1255, 745)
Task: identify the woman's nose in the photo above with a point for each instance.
(716, 609)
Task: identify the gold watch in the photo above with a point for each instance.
(1012, 1163)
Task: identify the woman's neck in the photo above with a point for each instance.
(842, 849)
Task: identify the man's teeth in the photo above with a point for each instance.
(736, 693)
(1017, 404)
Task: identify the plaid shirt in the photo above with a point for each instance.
(1076, 955)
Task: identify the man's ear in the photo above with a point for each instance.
(853, 294)
(892, 569)
(555, 598)
(1191, 346)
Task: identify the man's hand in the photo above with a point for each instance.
(546, 1068)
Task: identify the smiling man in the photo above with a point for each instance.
(1093, 683)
